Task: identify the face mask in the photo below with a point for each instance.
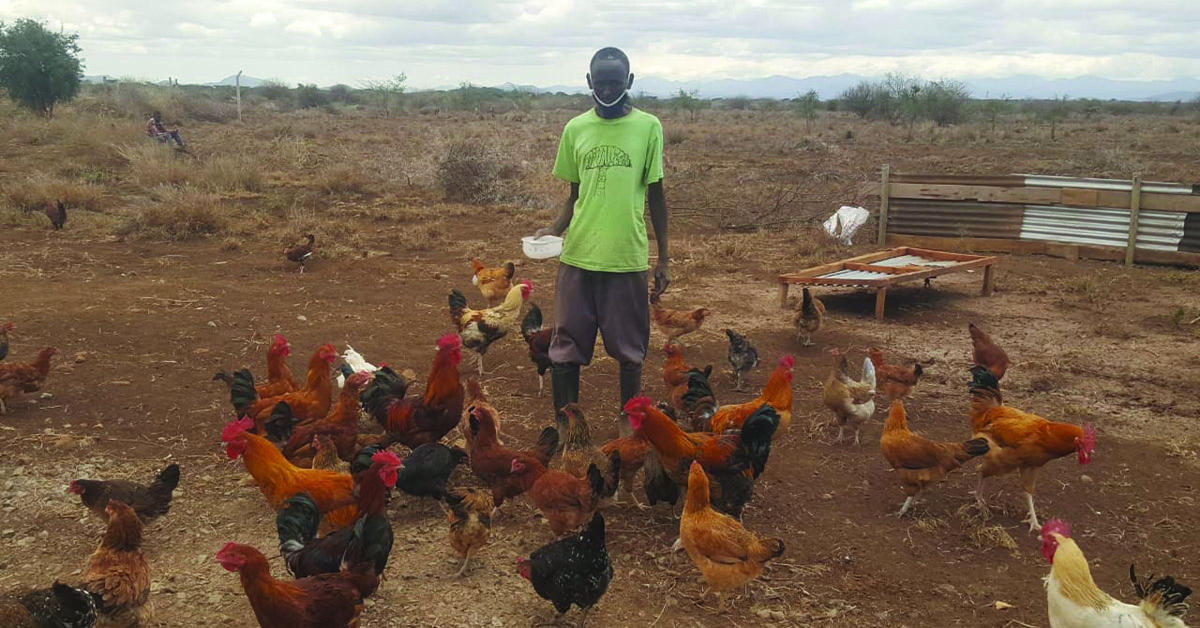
(609, 105)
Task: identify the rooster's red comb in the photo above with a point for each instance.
(638, 404)
(1089, 436)
(236, 427)
(787, 362)
(387, 458)
(449, 341)
(1056, 526)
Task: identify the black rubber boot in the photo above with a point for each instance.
(631, 386)
(564, 389)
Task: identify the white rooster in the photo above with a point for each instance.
(1074, 601)
(357, 364)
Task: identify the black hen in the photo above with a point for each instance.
(538, 340)
(742, 355)
(425, 471)
(59, 606)
(572, 571)
(148, 501)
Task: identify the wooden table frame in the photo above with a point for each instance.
(898, 274)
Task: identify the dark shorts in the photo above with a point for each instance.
(617, 305)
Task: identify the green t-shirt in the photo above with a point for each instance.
(612, 161)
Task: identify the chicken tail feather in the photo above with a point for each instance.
(167, 480)
(297, 524)
(386, 387)
(757, 432)
(241, 390)
(546, 445)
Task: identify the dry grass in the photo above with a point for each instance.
(176, 214)
(229, 173)
(31, 193)
(151, 164)
(345, 179)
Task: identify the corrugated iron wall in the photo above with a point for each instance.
(1093, 226)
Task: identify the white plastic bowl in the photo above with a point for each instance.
(544, 247)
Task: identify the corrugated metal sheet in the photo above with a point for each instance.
(854, 275)
(1120, 185)
(1191, 234)
(913, 260)
(955, 219)
(1069, 224)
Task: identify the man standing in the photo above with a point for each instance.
(612, 157)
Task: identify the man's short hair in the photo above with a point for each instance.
(611, 54)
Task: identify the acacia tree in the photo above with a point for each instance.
(38, 68)
(687, 101)
(387, 92)
(807, 105)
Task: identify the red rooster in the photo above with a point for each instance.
(332, 600)
(733, 460)
(414, 422)
(309, 403)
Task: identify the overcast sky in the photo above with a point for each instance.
(548, 42)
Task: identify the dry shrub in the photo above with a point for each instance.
(474, 172)
(993, 537)
(136, 100)
(34, 191)
(304, 129)
(293, 152)
(345, 179)
(228, 173)
(152, 164)
(176, 214)
(422, 236)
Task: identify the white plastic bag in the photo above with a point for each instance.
(845, 221)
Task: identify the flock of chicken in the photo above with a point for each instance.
(329, 482)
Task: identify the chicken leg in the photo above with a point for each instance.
(1034, 526)
(1029, 481)
(541, 384)
(463, 569)
(3, 408)
(907, 503)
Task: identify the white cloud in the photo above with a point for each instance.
(303, 27)
(263, 18)
(443, 42)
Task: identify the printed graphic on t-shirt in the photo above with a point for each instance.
(602, 158)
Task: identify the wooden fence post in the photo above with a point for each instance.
(884, 194)
(238, 81)
(1135, 205)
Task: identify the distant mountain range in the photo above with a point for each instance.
(1015, 87)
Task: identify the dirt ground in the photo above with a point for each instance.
(143, 325)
